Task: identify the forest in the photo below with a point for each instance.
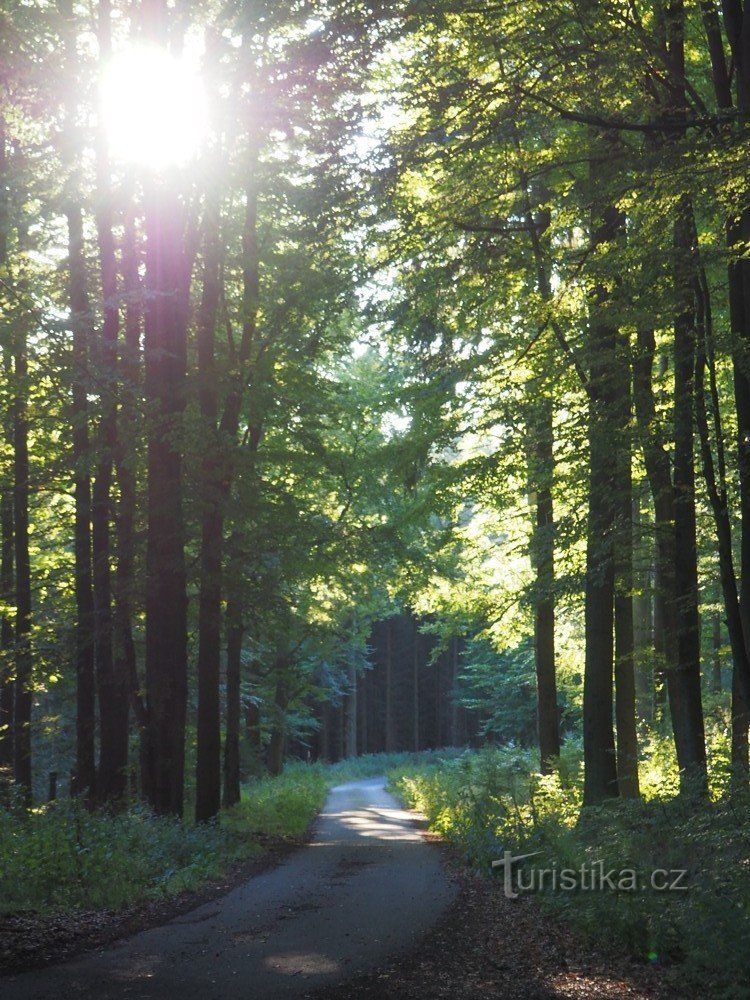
(375, 400)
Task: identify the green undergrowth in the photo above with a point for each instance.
(63, 858)
(60, 858)
(376, 764)
(493, 800)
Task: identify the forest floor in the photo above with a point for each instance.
(369, 910)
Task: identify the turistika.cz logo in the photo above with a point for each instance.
(590, 877)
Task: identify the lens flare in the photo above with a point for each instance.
(153, 107)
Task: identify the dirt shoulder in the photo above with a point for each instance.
(488, 947)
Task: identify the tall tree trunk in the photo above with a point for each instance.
(600, 765)
(689, 728)
(81, 325)
(350, 709)
(363, 727)
(643, 615)
(662, 639)
(737, 25)
(715, 476)
(84, 779)
(278, 727)
(125, 467)
(113, 683)
(23, 681)
(541, 478)
(218, 472)
(542, 550)
(454, 735)
(213, 475)
(625, 703)
(166, 314)
(657, 462)
(716, 684)
(6, 629)
(740, 723)
(6, 505)
(235, 631)
(415, 686)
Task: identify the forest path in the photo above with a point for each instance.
(366, 887)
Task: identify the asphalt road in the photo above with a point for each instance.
(367, 886)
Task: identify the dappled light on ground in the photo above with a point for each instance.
(301, 963)
(380, 824)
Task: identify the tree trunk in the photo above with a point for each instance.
(715, 476)
(662, 639)
(81, 325)
(625, 703)
(22, 692)
(278, 728)
(542, 552)
(208, 768)
(6, 630)
(687, 709)
(643, 618)
(363, 702)
(166, 313)
(113, 683)
(217, 474)
(350, 738)
(235, 631)
(716, 683)
(125, 466)
(6, 510)
(541, 478)
(689, 728)
(740, 723)
(84, 781)
(600, 766)
(415, 687)
(454, 734)
(737, 233)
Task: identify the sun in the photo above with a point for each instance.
(153, 107)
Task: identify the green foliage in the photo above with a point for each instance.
(63, 857)
(278, 807)
(492, 800)
(501, 686)
(373, 765)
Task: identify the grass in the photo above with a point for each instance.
(488, 801)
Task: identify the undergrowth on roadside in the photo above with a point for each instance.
(493, 800)
(62, 857)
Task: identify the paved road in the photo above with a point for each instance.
(367, 886)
